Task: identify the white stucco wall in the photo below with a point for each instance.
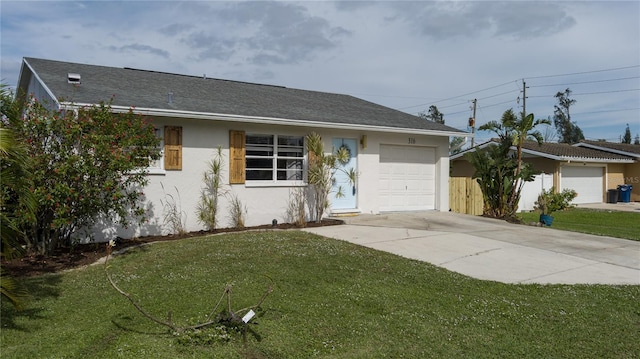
(263, 203)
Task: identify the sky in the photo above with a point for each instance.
(406, 55)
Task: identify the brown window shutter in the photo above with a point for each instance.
(173, 148)
(236, 157)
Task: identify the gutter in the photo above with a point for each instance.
(266, 120)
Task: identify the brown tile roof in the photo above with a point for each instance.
(567, 151)
(618, 147)
(562, 152)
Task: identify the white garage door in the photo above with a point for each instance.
(586, 181)
(407, 178)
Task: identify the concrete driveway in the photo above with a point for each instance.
(489, 249)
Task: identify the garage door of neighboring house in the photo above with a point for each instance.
(407, 178)
(531, 190)
(586, 181)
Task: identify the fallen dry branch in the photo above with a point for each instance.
(231, 317)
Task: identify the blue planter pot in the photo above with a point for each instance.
(546, 219)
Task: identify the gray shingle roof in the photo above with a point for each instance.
(149, 89)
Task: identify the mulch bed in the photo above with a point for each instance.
(85, 254)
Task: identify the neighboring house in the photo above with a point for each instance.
(621, 173)
(402, 160)
(585, 170)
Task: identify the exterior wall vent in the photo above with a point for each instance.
(73, 78)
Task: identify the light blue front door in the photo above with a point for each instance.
(341, 179)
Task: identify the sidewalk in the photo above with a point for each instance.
(620, 206)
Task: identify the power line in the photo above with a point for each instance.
(458, 104)
(536, 77)
(480, 107)
(608, 111)
(454, 97)
(589, 82)
(593, 93)
(483, 98)
(500, 94)
(496, 104)
(584, 72)
(601, 92)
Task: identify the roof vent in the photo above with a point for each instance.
(73, 78)
(170, 97)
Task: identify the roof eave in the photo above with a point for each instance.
(550, 156)
(596, 160)
(39, 80)
(575, 159)
(267, 120)
(607, 149)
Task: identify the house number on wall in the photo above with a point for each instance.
(412, 141)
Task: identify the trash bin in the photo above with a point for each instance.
(624, 193)
(612, 196)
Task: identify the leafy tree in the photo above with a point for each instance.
(86, 165)
(433, 115)
(627, 135)
(455, 145)
(636, 141)
(568, 131)
(549, 134)
(501, 173)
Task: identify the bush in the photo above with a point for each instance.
(551, 201)
(84, 165)
(207, 210)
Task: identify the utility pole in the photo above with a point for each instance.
(524, 99)
(472, 123)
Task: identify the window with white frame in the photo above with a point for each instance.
(274, 157)
(157, 166)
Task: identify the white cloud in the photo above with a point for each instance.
(405, 54)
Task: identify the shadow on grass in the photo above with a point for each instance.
(41, 287)
(122, 250)
(130, 324)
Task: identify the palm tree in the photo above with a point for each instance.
(321, 171)
(15, 193)
(515, 131)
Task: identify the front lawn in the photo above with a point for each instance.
(331, 299)
(593, 221)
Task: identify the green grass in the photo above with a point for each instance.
(601, 222)
(331, 299)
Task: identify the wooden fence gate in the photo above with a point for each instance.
(465, 196)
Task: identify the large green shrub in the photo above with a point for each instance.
(88, 164)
